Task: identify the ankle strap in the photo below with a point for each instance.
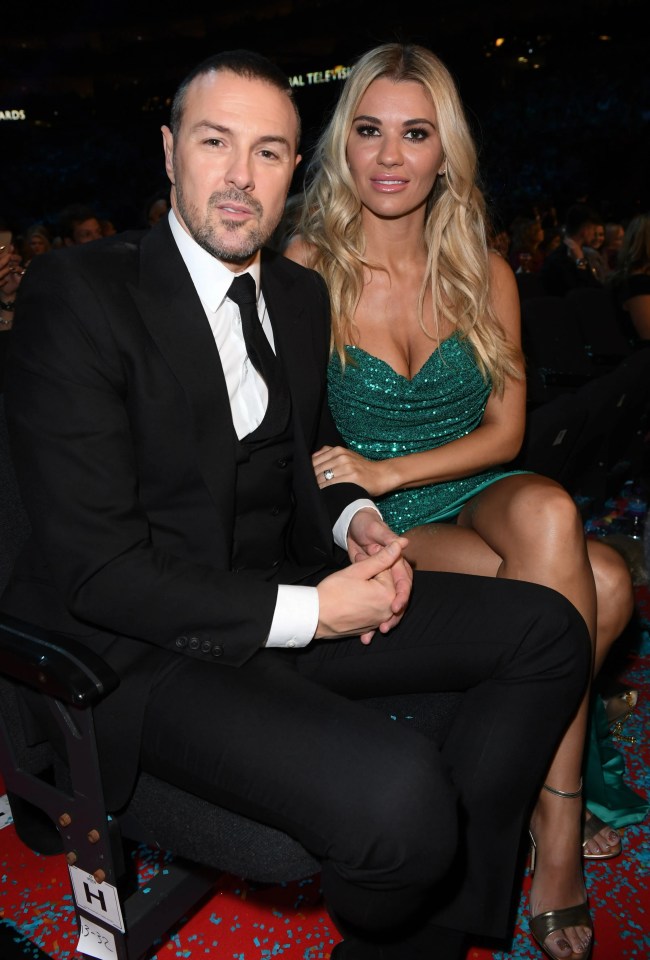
(564, 793)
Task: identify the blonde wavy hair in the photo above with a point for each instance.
(455, 218)
(634, 255)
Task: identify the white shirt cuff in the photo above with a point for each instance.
(340, 531)
(295, 618)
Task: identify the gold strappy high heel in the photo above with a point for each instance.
(590, 828)
(544, 924)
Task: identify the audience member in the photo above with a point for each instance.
(169, 487)
(552, 240)
(525, 253)
(287, 226)
(156, 207)
(11, 273)
(567, 266)
(36, 241)
(630, 283)
(594, 253)
(614, 233)
(498, 237)
(79, 224)
(427, 387)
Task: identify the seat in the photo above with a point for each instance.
(611, 444)
(593, 438)
(529, 285)
(553, 429)
(49, 686)
(554, 348)
(597, 317)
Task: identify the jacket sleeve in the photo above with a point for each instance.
(73, 431)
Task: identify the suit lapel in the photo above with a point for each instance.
(174, 316)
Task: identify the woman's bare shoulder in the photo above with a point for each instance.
(299, 250)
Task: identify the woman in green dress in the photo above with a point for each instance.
(427, 387)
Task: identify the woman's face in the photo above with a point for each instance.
(599, 236)
(393, 150)
(37, 244)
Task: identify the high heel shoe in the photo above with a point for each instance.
(544, 924)
(591, 827)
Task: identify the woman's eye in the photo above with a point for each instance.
(417, 133)
(367, 130)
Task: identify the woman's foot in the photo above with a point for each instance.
(557, 883)
(599, 840)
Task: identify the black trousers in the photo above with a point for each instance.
(406, 832)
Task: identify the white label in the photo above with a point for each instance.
(96, 941)
(6, 817)
(100, 899)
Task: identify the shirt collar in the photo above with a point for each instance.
(210, 276)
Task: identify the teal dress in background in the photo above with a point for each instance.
(381, 414)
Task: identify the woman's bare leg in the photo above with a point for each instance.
(615, 605)
(528, 528)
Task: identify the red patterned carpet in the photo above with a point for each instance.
(241, 922)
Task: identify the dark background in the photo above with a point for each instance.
(560, 109)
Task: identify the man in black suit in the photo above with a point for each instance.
(178, 530)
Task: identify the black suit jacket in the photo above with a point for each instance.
(124, 448)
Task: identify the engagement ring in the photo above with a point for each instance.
(328, 474)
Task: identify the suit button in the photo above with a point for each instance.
(275, 511)
(181, 642)
(195, 643)
(282, 463)
(206, 646)
(217, 651)
(276, 563)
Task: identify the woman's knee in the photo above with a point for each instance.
(614, 591)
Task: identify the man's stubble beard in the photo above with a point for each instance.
(203, 231)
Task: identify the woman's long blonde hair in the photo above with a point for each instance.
(454, 228)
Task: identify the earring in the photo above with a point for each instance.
(443, 172)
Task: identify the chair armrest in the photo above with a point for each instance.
(53, 664)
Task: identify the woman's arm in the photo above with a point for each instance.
(639, 310)
(497, 439)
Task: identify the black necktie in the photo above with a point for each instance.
(242, 292)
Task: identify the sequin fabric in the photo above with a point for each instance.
(381, 414)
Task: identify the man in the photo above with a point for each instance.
(569, 266)
(79, 224)
(179, 531)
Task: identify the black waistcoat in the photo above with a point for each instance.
(263, 496)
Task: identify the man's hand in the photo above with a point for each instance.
(364, 596)
(367, 534)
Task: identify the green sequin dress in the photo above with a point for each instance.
(381, 414)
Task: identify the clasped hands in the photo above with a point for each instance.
(373, 592)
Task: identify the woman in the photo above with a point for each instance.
(11, 273)
(525, 251)
(631, 281)
(427, 386)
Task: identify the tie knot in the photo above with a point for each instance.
(242, 290)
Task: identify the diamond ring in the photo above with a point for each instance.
(328, 474)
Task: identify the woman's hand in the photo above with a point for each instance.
(340, 465)
(11, 272)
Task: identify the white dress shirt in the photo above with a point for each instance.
(296, 611)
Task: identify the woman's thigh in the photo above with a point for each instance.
(510, 517)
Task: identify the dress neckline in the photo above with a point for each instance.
(385, 363)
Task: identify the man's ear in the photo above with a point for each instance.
(168, 149)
